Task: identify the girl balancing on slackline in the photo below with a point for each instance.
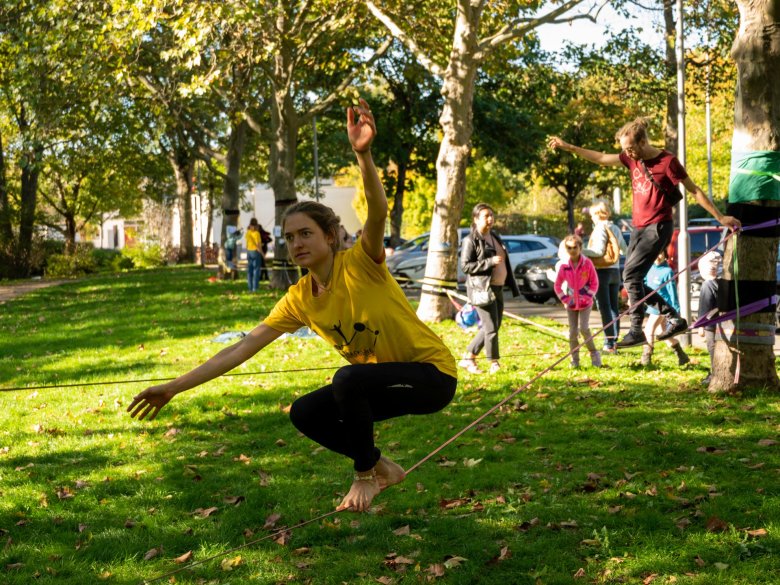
(397, 365)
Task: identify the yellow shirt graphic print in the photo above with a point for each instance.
(364, 315)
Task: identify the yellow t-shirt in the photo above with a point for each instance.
(364, 315)
(252, 240)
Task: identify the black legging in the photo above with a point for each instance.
(645, 245)
(341, 415)
(491, 316)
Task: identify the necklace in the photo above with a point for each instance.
(324, 285)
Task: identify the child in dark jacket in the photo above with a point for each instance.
(575, 284)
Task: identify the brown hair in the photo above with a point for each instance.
(636, 131)
(573, 238)
(322, 215)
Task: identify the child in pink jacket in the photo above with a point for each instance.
(579, 279)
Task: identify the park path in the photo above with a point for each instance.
(9, 292)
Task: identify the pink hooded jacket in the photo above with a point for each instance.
(582, 283)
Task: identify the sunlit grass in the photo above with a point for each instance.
(620, 475)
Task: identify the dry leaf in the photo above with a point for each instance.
(233, 500)
(453, 562)
(471, 462)
(715, 524)
(649, 579)
(699, 561)
(204, 513)
(580, 574)
(385, 580)
(185, 558)
(767, 442)
(230, 564)
(151, 553)
(271, 521)
(403, 531)
(437, 570)
(758, 533)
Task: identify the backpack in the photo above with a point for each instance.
(611, 251)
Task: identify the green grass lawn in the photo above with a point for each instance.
(620, 475)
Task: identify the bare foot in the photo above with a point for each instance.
(360, 495)
(388, 472)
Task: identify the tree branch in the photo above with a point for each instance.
(431, 66)
(522, 26)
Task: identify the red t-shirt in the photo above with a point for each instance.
(649, 205)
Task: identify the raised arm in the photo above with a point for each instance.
(600, 158)
(151, 400)
(703, 200)
(361, 130)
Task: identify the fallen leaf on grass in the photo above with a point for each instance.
(283, 538)
(14, 566)
(151, 553)
(436, 570)
(230, 564)
(471, 462)
(233, 500)
(453, 562)
(385, 580)
(711, 450)
(64, 493)
(699, 561)
(580, 574)
(503, 555)
(758, 533)
(614, 509)
(185, 558)
(767, 442)
(265, 478)
(403, 531)
(715, 524)
(720, 566)
(204, 513)
(649, 579)
(271, 521)
(172, 432)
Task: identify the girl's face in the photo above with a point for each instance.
(308, 245)
(484, 220)
(573, 250)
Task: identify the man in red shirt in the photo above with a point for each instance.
(654, 174)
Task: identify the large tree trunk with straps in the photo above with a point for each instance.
(744, 356)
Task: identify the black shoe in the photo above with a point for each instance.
(673, 327)
(631, 339)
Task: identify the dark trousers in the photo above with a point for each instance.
(645, 245)
(607, 298)
(341, 415)
(491, 316)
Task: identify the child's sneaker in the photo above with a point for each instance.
(470, 366)
(495, 367)
(595, 358)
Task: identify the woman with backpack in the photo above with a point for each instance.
(605, 246)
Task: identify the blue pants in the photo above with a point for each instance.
(253, 269)
(607, 298)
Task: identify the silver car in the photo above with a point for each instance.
(409, 269)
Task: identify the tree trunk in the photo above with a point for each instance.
(756, 51)
(397, 213)
(456, 123)
(281, 173)
(6, 231)
(29, 202)
(70, 233)
(570, 212)
(184, 169)
(231, 193)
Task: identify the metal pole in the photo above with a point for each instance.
(683, 243)
(707, 109)
(200, 217)
(316, 159)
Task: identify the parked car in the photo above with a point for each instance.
(411, 269)
(409, 253)
(536, 277)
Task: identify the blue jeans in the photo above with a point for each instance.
(607, 298)
(253, 269)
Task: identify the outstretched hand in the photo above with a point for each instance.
(150, 401)
(361, 131)
(554, 142)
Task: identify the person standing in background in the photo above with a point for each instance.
(608, 294)
(253, 257)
